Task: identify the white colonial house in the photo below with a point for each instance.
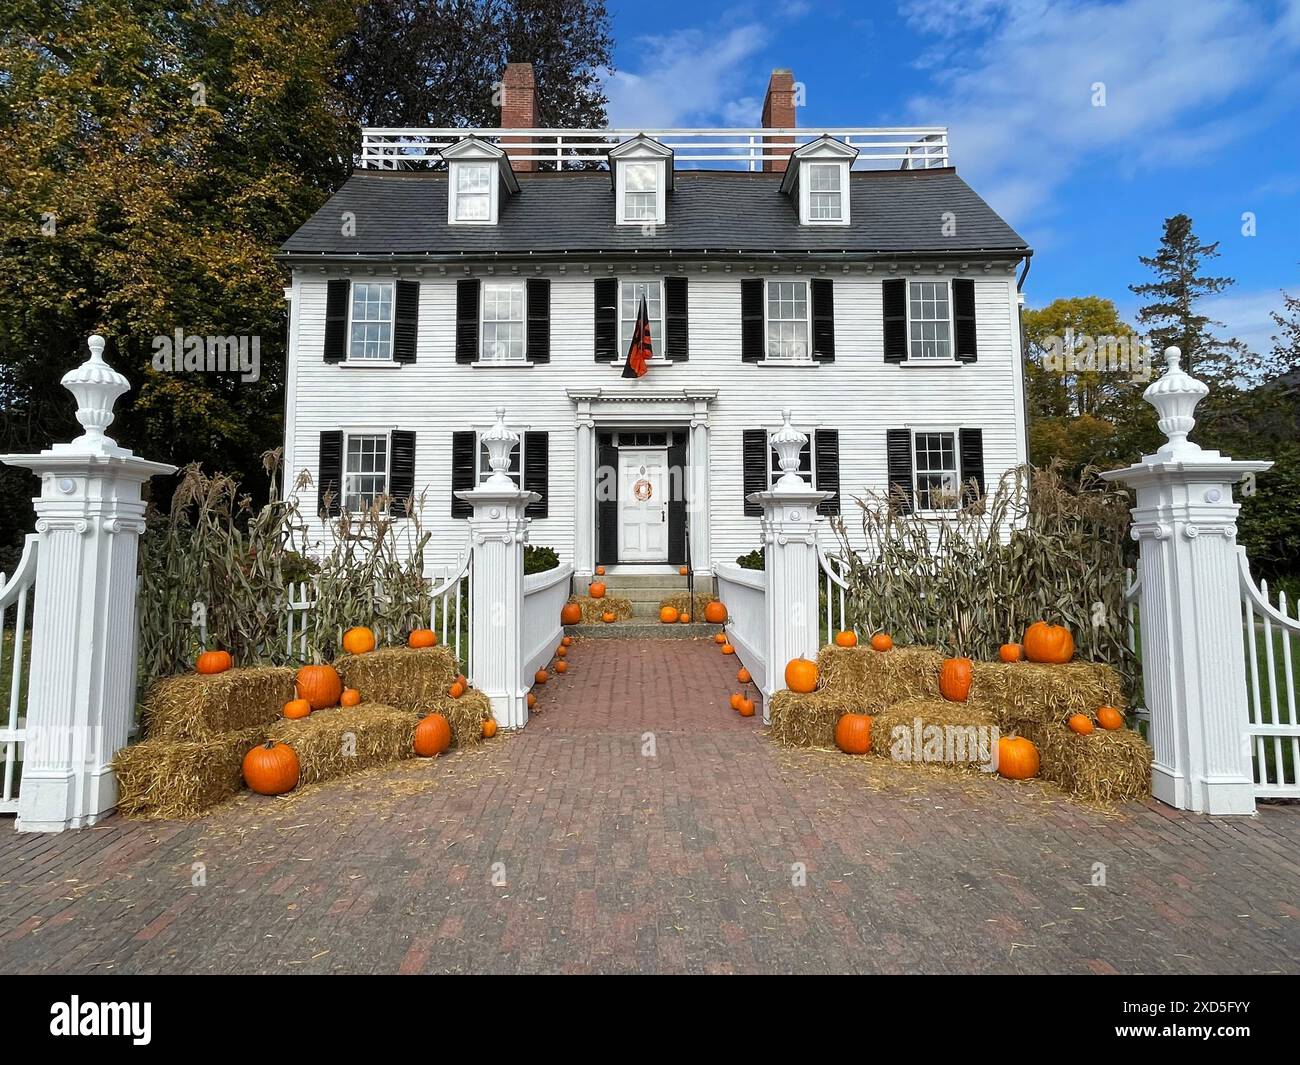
(848, 275)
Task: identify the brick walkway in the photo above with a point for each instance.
(680, 860)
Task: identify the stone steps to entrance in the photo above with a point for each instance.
(637, 628)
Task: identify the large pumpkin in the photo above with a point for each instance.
(1017, 758)
(271, 768)
(358, 641)
(668, 615)
(954, 679)
(801, 675)
(847, 638)
(853, 733)
(432, 736)
(596, 589)
(1048, 643)
(715, 613)
(422, 638)
(570, 614)
(319, 685)
(213, 662)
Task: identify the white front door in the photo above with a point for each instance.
(643, 505)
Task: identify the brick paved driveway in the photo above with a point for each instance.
(616, 860)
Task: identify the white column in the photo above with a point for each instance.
(584, 532)
(1193, 664)
(498, 531)
(81, 692)
(790, 523)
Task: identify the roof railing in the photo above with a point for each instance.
(903, 148)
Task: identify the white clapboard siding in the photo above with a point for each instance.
(859, 394)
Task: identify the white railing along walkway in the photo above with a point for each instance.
(836, 590)
(15, 592)
(544, 597)
(744, 592)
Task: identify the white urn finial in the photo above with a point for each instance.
(96, 386)
(788, 443)
(1174, 395)
(500, 441)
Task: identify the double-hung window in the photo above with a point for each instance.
(516, 462)
(787, 320)
(825, 192)
(641, 192)
(372, 321)
(473, 191)
(503, 321)
(936, 473)
(630, 294)
(365, 470)
(929, 316)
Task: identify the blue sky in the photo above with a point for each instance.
(1201, 115)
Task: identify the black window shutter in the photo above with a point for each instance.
(467, 292)
(827, 443)
(898, 453)
(606, 319)
(607, 509)
(963, 318)
(539, 321)
(823, 319)
(970, 444)
(894, 297)
(754, 466)
(406, 320)
(537, 471)
(401, 472)
(751, 322)
(464, 463)
(337, 294)
(329, 474)
(676, 320)
(677, 500)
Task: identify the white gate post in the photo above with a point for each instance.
(498, 531)
(1193, 664)
(81, 692)
(790, 523)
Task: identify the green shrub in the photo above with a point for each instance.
(754, 560)
(539, 559)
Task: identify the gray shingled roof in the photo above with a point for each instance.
(894, 213)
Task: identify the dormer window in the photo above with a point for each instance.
(641, 192)
(478, 176)
(642, 172)
(825, 192)
(473, 192)
(817, 179)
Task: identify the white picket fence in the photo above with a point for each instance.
(16, 592)
(744, 591)
(1271, 680)
(544, 597)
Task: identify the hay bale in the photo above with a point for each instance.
(1106, 767)
(414, 679)
(809, 720)
(886, 677)
(1022, 692)
(193, 707)
(962, 749)
(465, 716)
(683, 602)
(592, 609)
(347, 739)
(181, 779)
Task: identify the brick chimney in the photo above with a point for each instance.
(778, 113)
(518, 108)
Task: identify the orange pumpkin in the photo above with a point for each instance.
(456, 690)
(561, 651)
(1017, 758)
(685, 619)
(727, 649)
(1109, 718)
(668, 614)
(801, 675)
(882, 641)
(422, 638)
(567, 641)
(720, 637)
(462, 681)
(954, 679)
(358, 641)
(1011, 652)
(596, 589)
(210, 662)
(600, 571)
(743, 675)
(683, 571)
(715, 613)
(736, 699)
(432, 736)
(296, 708)
(1080, 723)
(853, 733)
(561, 666)
(846, 639)
(746, 708)
(532, 700)
(319, 685)
(271, 768)
(489, 728)
(570, 614)
(608, 617)
(1048, 643)
(541, 677)
(350, 697)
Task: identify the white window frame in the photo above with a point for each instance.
(805, 192)
(656, 334)
(453, 192)
(924, 360)
(348, 436)
(482, 471)
(368, 360)
(510, 360)
(774, 471)
(946, 430)
(621, 190)
(779, 360)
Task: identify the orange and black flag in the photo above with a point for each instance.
(639, 350)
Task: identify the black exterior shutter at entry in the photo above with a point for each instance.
(677, 499)
(537, 472)
(754, 468)
(827, 445)
(606, 509)
(464, 462)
